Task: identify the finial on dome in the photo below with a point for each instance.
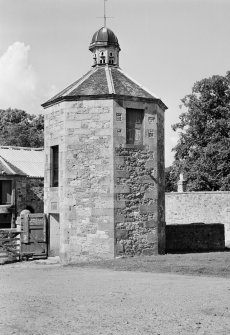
(105, 17)
(105, 13)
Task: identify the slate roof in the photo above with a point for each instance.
(22, 161)
(103, 82)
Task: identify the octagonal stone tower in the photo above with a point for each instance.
(104, 173)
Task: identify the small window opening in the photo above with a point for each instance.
(134, 126)
(54, 166)
(150, 133)
(111, 54)
(5, 192)
(112, 61)
(100, 61)
(103, 61)
(118, 117)
(5, 221)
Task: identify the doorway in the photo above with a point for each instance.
(54, 235)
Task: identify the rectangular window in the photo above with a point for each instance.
(5, 221)
(150, 133)
(134, 126)
(118, 117)
(54, 166)
(5, 192)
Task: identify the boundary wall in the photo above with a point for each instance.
(199, 207)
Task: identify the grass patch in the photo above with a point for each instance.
(200, 264)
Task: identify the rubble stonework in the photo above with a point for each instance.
(30, 192)
(139, 186)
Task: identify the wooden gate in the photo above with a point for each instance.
(9, 245)
(34, 241)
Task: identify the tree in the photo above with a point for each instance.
(18, 128)
(170, 180)
(203, 149)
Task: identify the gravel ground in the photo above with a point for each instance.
(51, 299)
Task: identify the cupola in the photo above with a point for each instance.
(105, 48)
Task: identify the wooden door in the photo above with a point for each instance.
(34, 242)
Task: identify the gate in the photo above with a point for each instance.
(9, 245)
(34, 241)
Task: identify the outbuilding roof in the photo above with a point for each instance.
(104, 82)
(22, 161)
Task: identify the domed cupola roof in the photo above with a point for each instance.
(104, 37)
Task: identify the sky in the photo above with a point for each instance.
(166, 45)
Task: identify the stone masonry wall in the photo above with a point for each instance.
(161, 180)
(105, 185)
(136, 202)
(137, 184)
(35, 194)
(84, 199)
(29, 192)
(53, 135)
(199, 207)
(88, 194)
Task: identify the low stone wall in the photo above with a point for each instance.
(199, 207)
(195, 237)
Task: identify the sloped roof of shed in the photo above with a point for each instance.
(102, 82)
(22, 161)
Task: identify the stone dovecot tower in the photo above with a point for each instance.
(104, 174)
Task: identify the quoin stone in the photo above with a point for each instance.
(104, 170)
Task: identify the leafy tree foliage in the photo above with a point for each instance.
(170, 180)
(18, 128)
(203, 149)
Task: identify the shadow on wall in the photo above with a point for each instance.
(195, 237)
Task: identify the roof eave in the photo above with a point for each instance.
(103, 44)
(103, 97)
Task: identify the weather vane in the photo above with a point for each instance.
(105, 17)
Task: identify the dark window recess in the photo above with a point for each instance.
(5, 221)
(151, 119)
(134, 126)
(54, 165)
(118, 117)
(5, 192)
(150, 133)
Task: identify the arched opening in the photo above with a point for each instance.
(30, 208)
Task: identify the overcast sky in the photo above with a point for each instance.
(166, 45)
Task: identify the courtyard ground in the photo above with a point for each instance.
(50, 299)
